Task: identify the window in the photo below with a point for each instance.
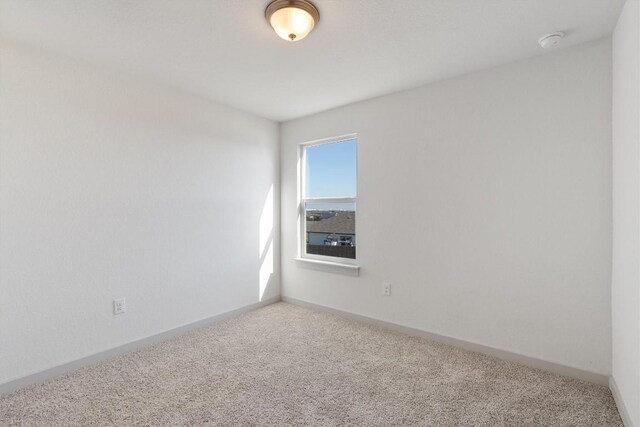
(328, 191)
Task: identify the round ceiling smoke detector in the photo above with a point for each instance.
(551, 40)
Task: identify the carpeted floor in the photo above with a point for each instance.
(286, 365)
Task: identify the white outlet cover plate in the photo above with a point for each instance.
(386, 289)
(119, 306)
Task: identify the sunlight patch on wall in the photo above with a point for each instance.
(265, 246)
(266, 223)
(266, 270)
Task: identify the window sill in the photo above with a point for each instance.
(330, 265)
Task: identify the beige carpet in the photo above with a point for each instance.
(286, 365)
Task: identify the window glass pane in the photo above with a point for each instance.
(330, 229)
(331, 169)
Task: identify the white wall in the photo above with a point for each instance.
(486, 201)
(113, 186)
(625, 293)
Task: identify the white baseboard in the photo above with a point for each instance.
(544, 365)
(55, 371)
(622, 408)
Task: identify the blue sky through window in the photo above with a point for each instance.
(331, 170)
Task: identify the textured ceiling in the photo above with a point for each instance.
(225, 50)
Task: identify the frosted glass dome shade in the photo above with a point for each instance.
(292, 20)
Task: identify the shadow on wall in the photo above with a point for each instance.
(265, 247)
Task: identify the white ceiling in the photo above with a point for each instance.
(225, 50)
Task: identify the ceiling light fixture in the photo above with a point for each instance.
(292, 20)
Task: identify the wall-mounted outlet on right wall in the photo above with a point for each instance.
(386, 289)
(119, 306)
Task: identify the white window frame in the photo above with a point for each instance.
(302, 201)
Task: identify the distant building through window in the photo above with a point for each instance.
(328, 198)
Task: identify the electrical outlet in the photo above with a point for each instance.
(119, 306)
(386, 289)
